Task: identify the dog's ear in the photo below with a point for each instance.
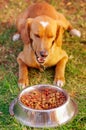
(59, 36)
(26, 31)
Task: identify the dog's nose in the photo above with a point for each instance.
(44, 53)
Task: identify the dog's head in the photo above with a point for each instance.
(43, 32)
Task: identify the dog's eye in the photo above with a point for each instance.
(53, 42)
(50, 36)
(36, 35)
(31, 40)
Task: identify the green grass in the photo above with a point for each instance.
(75, 70)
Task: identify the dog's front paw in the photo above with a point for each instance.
(23, 83)
(59, 82)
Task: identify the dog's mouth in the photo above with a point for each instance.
(40, 60)
(41, 56)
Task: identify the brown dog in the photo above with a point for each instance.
(41, 28)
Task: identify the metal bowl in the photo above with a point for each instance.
(44, 118)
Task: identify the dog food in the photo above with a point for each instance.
(43, 99)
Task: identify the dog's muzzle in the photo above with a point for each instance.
(42, 57)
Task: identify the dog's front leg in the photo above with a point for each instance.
(59, 79)
(23, 74)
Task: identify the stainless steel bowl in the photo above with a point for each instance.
(44, 118)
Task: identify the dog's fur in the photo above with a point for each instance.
(41, 28)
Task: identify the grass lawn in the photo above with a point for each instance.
(75, 74)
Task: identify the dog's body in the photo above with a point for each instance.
(41, 29)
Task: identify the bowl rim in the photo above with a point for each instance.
(38, 86)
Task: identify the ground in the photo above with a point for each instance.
(75, 11)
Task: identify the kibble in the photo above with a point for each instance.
(43, 99)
